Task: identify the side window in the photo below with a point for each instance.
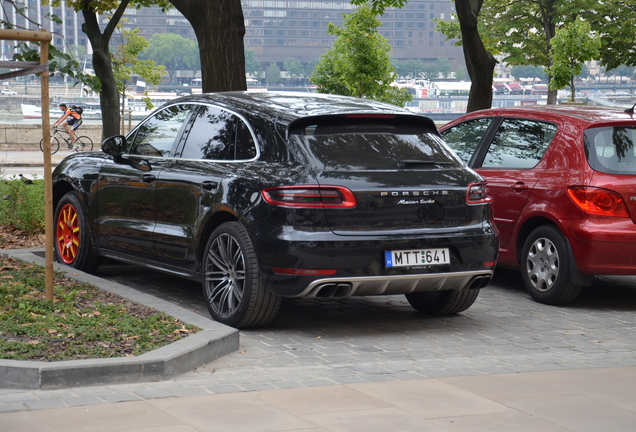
(157, 135)
(464, 137)
(245, 146)
(519, 144)
(218, 135)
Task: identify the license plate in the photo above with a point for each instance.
(416, 257)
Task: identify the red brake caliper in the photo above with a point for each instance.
(68, 234)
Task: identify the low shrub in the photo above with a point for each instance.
(22, 204)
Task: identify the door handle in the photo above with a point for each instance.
(148, 178)
(210, 185)
(519, 187)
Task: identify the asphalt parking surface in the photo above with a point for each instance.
(371, 339)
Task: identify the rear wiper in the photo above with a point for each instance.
(409, 163)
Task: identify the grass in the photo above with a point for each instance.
(22, 204)
(82, 321)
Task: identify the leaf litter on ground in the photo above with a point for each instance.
(81, 322)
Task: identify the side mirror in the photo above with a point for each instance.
(114, 146)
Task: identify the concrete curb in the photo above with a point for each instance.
(213, 341)
(24, 165)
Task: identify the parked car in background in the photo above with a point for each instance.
(563, 182)
(7, 92)
(265, 195)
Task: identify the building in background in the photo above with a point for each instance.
(275, 30)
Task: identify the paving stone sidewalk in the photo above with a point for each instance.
(382, 339)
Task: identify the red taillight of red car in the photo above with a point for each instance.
(477, 193)
(310, 196)
(597, 201)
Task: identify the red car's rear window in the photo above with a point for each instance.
(611, 149)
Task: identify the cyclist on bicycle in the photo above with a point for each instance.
(73, 120)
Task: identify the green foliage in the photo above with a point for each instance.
(126, 62)
(22, 205)
(294, 68)
(272, 75)
(63, 63)
(105, 6)
(461, 74)
(537, 72)
(524, 29)
(410, 68)
(615, 23)
(358, 63)
(172, 51)
(572, 45)
(81, 322)
(252, 65)
(378, 6)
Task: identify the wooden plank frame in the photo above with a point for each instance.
(44, 37)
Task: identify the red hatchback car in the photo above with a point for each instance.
(563, 180)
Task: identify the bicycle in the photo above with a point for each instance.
(83, 143)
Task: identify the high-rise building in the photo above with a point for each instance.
(275, 30)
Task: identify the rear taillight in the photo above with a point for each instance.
(477, 193)
(310, 196)
(597, 201)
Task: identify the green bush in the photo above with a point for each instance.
(22, 204)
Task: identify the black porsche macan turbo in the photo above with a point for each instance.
(268, 195)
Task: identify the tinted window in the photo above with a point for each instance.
(465, 137)
(611, 149)
(519, 144)
(372, 145)
(245, 146)
(157, 135)
(218, 135)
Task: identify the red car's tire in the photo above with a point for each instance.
(545, 267)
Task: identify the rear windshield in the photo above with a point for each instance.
(373, 145)
(611, 149)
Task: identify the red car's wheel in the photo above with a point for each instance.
(545, 267)
(72, 237)
(67, 234)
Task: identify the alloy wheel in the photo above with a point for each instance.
(225, 275)
(68, 234)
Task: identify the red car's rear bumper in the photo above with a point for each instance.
(603, 246)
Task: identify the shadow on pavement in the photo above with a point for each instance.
(383, 313)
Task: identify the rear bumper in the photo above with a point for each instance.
(603, 246)
(403, 284)
(358, 265)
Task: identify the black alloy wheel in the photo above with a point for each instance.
(232, 285)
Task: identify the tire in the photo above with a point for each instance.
(232, 284)
(443, 302)
(72, 236)
(55, 145)
(545, 267)
(84, 143)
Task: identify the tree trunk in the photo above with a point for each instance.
(219, 26)
(108, 95)
(549, 27)
(479, 61)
